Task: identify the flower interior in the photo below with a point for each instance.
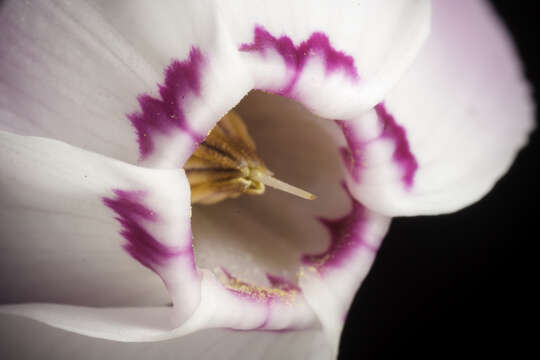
(226, 165)
(254, 240)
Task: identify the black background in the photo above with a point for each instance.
(460, 284)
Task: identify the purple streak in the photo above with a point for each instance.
(182, 79)
(281, 283)
(258, 293)
(352, 153)
(402, 153)
(141, 245)
(402, 156)
(346, 237)
(296, 57)
(264, 296)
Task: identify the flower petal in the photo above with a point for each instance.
(36, 169)
(337, 58)
(195, 93)
(74, 71)
(329, 280)
(204, 345)
(61, 242)
(220, 307)
(451, 126)
(66, 74)
(121, 324)
(85, 87)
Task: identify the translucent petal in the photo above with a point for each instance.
(338, 58)
(452, 125)
(96, 87)
(204, 345)
(81, 229)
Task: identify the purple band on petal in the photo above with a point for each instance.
(128, 205)
(182, 80)
(346, 237)
(295, 57)
(351, 154)
(280, 288)
(281, 291)
(404, 158)
(402, 153)
(281, 283)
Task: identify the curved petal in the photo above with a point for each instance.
(247, 49)
(61, 242)
(333, 239)
(204, 345)
(237, 308)
(336, 57)
(85, 87)
(451, 126)
(74, 72)
(66, 74)
(329, 280)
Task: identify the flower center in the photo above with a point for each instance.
(226, 165)
(253, 238)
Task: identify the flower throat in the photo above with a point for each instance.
(226, 165)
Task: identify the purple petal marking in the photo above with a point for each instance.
(402, 153)
(352, 154)
(346, 237)
(296, 57)
(280, 290)
(182, 79)
(141, 245)
(281, 283)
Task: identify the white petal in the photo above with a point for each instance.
(204, 345)
(66, 74)
(121, 324)
(61, 242)
(452, 125)
(73, 71)
(330, 279)
(336, 57)
(211, 69)
(219, 308)
(337, 251)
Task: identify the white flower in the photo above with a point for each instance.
(93, 195)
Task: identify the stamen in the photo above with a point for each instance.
(226, 165)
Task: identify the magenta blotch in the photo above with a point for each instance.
(402, 156)
(259, 294)
(265, 296)
(346, 237)
(352, 153)
(296, 57)
(402, 153)
(281, 283)
(182, 79)
(141, 245)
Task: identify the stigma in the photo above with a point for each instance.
(226, 165)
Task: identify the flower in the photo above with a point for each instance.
(95, 204)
